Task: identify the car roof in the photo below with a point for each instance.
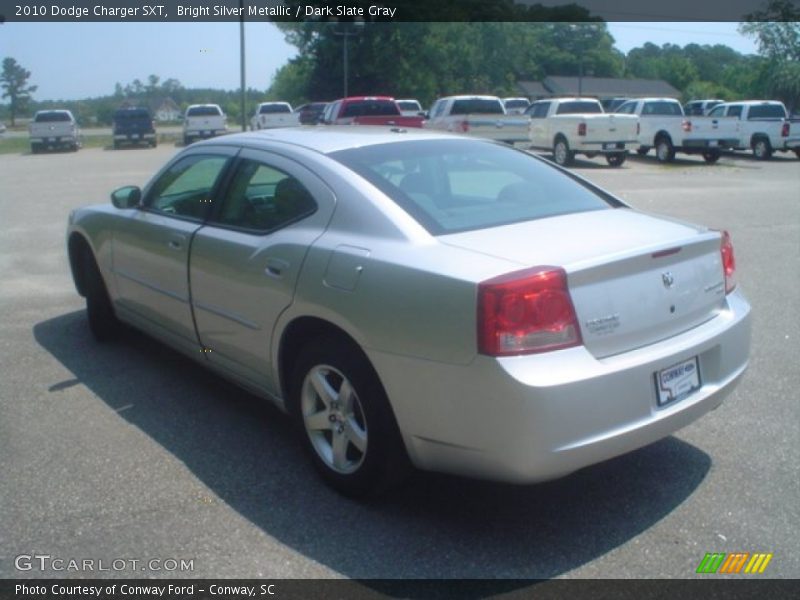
(750, 102)
(330, 138)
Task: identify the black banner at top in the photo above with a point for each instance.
(396, 10)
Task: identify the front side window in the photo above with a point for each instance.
(262, 198)
(184, 189)
(735, 111)
(461, 185)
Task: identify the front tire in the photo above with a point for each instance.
(616, 159)
(345, 418)
(103, 323)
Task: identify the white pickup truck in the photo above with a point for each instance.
(477, 116)
(761, 126)
(203, 121)
(53, 129)
(663, 126)
(273, 114)
(570, 126)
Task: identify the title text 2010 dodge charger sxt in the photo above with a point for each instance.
(451, 301)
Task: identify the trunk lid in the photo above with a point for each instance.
(634, 279)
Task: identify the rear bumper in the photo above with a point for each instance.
(708, 144)
(604, 147)
(204, 133)
(533, 418)
(134, 137)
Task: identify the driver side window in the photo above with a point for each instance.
(184, 190)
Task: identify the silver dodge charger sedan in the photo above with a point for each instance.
(413, 298)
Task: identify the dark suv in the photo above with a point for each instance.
(134, 126)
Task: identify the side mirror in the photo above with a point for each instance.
(129, 196)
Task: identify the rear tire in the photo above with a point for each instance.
(103, 323)
(36, 148)
(562, 155)
(616, 159)
(711, 156)
(345, 419)
(762, 150)
(665, 151)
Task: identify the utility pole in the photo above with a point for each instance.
(241, 65)
(349, 30)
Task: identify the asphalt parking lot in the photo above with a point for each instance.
(130, 451)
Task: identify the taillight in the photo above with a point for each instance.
(581, 128)
(785, 129)
(464, 126)
(728, 262)
(525, 312)
(686, 126)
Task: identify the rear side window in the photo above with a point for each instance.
(578, 107)
(661, 108)
(766, 111)
(461, 185)
(477, 106)
(371, 108)
(204, 111)
(52, 117)
(262, 198)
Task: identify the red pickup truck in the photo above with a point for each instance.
(367, 110)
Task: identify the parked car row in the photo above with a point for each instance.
(564, 126)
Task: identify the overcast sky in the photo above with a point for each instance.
(78, 60)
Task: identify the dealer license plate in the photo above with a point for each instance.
(678, 381)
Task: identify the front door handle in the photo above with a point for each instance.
(276, 267)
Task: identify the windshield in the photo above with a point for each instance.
(52, 116)
(477, 106)
(409, 105)
(271, 109)
(204, 111)
(133, 113)
(462, 185)
(370, 108)
(578, 107)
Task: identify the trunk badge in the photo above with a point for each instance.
(667, 279)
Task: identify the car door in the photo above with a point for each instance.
(151, 250)
(246, 260)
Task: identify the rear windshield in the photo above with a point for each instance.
(52, 116)
(477, 106)
(579, 107)
(371, 108)
(766, 111)
(271, 109)
(204, 111)
(661, 108)
(462, 185)
(408, 105)
(517, 103)
(133, 113)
